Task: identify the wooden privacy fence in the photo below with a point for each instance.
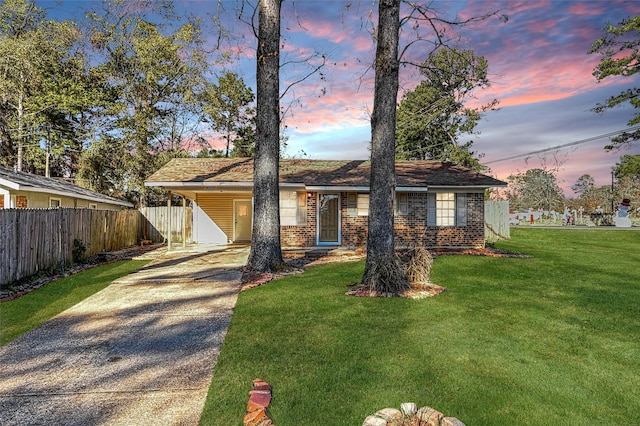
(496, 220)
(159, 218)
(37, 240)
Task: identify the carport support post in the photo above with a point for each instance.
(184, 222)
(169, 222)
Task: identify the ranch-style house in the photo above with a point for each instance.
(326, 202)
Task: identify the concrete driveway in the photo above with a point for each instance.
(139, 352)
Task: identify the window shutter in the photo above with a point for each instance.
(431, 209)
(352, 204)
(461, 209)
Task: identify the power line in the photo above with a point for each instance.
(553, 148)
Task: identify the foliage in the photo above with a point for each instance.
(584, 184)
(619, 47)
(433, 116)
(590, 197)
(536, 189)
(79, 252)
(153, 76)
(29, 311)
(629, 165)
(44, 88)
(513, 341)
(103, 167)
(628, 187)
(227, 107)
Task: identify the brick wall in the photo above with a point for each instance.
(302, 235)
(414, 225)
(354, 228)
(1, 201)
(410, 229)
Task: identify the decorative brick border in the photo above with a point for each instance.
(259, 399)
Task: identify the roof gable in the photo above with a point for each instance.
(317, 173)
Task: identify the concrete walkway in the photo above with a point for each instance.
(139, 352)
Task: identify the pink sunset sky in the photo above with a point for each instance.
(538, 64)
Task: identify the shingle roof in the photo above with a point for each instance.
(22, 181)
(314, 173)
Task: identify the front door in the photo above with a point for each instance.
(329, 219)
(242, 220)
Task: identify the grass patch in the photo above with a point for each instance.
(29, 311)
(551, 339)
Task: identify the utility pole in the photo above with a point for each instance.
(47, 173)
(612, 211)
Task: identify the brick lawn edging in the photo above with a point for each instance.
(410, 415)
(259, 399)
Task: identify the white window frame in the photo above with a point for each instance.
(447, 209)
(52, 199)
(363, 204)
(293, 208)
(352, 204)
(93, 206)
(401, 204)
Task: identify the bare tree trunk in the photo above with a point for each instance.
(266, 251)
(380, 241)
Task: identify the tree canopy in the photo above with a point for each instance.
(153, 74)
(227, 107)
(433, 116)
(110, 100)
(619, 47)
(43, 88)
(536, 189)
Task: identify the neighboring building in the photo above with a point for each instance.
(326, 203)
(27, 191)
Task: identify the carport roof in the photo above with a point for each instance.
(212, 172)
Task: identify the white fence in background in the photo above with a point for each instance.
(496, 220)
(159, 218)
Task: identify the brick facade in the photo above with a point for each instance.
(410, 229)
(302, 235)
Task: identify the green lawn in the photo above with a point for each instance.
(27, 312)
(552, 339)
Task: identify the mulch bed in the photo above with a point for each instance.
(298, 260)
(26, 285)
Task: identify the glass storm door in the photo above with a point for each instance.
(329, 218)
